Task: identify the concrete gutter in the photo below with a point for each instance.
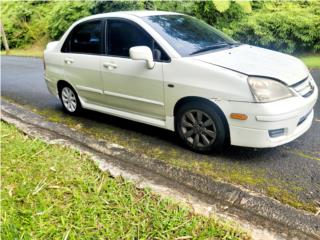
(254, 211)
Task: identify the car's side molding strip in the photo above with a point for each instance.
(133, 98)
(89, 89)
(128, 115)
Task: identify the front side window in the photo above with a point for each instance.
(188, 35)
(122, 35)
(85, 38)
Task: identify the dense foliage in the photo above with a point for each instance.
(286, 26)
(289, 27)
(25, 22)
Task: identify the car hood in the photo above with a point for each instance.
(255, 61)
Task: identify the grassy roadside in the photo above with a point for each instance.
(51, 192)
(311, 60)
(235, 173)
(33, 51)
(255, 179)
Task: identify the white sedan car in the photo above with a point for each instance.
(173, 71)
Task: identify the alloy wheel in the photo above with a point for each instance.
(69, 99)
(198, 128)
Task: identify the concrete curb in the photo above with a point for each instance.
(253, 205)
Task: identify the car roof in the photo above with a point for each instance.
(145, 13)
(139, 13)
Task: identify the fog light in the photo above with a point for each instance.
(276, 132)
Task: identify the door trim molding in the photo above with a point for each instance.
(133, 98)
(89, 89)
(127, 115)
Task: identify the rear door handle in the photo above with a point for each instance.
(110, 65)
(68, 60)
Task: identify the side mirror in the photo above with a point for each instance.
(142, 53)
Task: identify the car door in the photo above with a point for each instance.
(128, 84)
(81, 60)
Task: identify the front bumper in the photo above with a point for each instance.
(293, 115)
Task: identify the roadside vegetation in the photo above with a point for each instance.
(287, 26)
(53, 192)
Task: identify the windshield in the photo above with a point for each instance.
(188, 35)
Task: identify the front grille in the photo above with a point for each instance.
(304, 87)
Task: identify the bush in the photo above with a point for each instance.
(112, 6)
(63, 14)
(289, 27)
(24, 23)
(208, 12)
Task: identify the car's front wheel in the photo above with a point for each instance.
(69, 100)
(200, 126)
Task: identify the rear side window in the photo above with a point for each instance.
(122, 35)
(85, 38)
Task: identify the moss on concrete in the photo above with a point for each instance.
(288, 198)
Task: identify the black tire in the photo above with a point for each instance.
(210, 137)
(74, 107)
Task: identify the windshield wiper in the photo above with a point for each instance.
(216, 46)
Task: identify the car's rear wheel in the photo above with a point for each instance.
(200, 126)
(69, 99)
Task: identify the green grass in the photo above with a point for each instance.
(52, 192)
(311, 60)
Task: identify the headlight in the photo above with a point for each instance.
(268, 90)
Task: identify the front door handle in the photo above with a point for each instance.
(110, 65)
(68, 60)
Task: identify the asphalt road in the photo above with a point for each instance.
(295, 164)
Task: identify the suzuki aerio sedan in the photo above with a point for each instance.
(176, 72)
